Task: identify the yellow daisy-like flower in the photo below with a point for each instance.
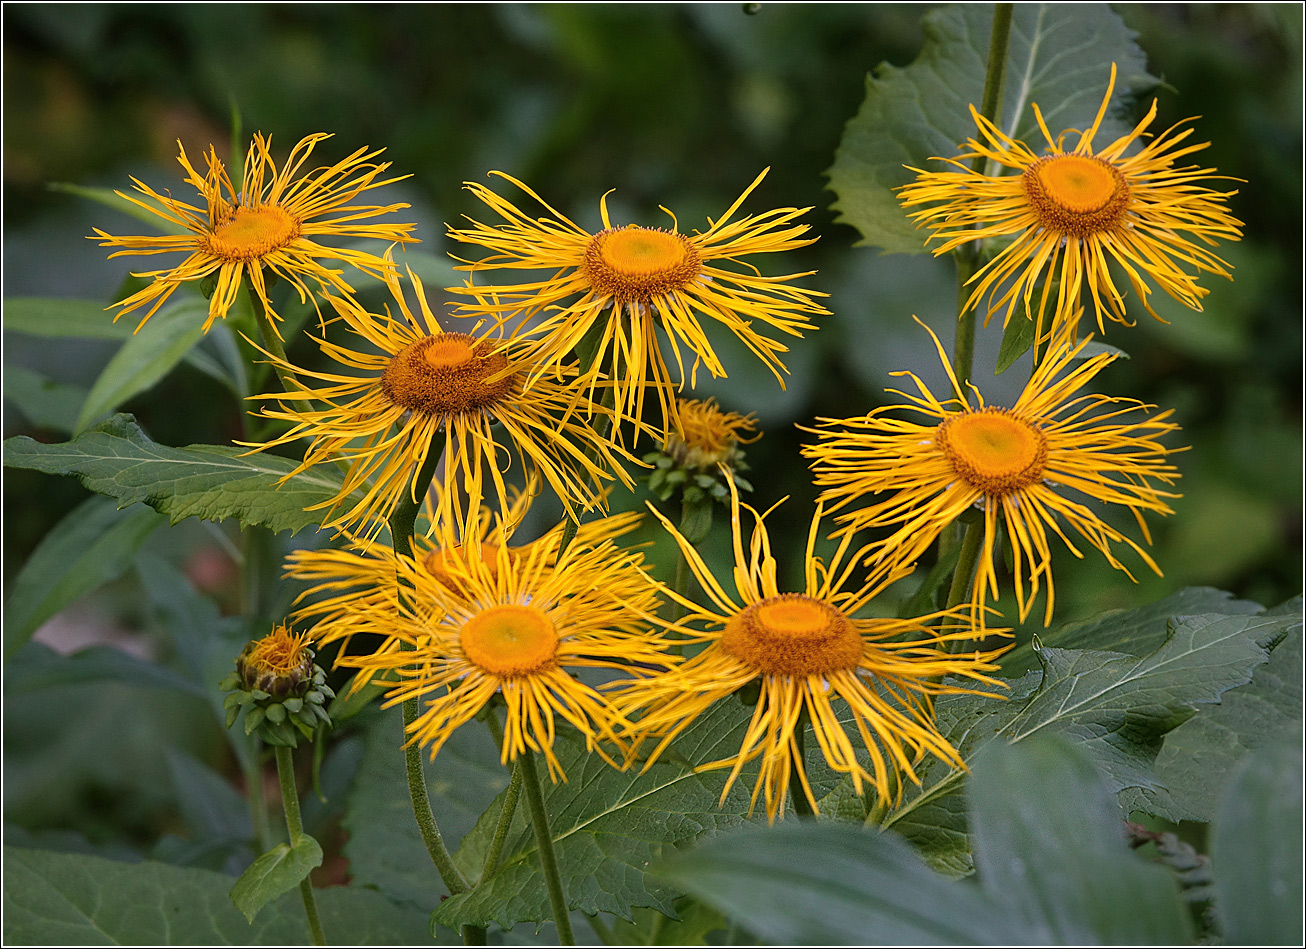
(708, 435)
(1024, 466)
(806, 650)
(272, 221)
(634, 278)
(364, 577)
(277, 663)
(1072, 213)
(513, 625)
(385, 421)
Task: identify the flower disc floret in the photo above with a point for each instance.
(1076, 194)
(992, 450)
(510, 641)
(633, 264)
(251, 233)
(449, 373)
(793, 634)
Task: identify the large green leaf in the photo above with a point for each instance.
(1116, 707)
(608, 826)
(208, 481)
(92, 545)
(145, 358)
(111, 199)
(1049, 847)
(63, 317)
(384, 848)
(65, 899)
(1198, 758)
(1059, 57)
(45, 402)
(38, 667)
(1136, 632)
(1256, 850)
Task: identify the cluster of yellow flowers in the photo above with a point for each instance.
(556, 373)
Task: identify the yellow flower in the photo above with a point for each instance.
(279, 663)
(347, 582)
(630, 279)
(272, 221)
(513, 625)
(1026, 467)
(1072, 213)
(707, 435)
(805, 650)
(386, 420)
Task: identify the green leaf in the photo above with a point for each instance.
(650, 928)
(63, 318)
(1017, 338)
(38, 667)
(1256, 850)
(278, 871)
(1136, 632)
(1199, 757)
(1050, 847)
(1116, 707)
(111, 199)
(608, 826)
(146, 358)
(385, 849)
(805, 883)
(43, 401)
(67, 899)
(208, 481)
(211, 806)
(92, 545)
(1059, 57)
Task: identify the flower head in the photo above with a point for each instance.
(701, 454)
(273, 220)
(1025, 466)
(281, 690)
(805, 650)
(1072, 213)
(385, 419)
(512, 624)
(630, 279)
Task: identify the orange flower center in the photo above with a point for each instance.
(510, 641)
(436, 565)
(993, 451)
(448, 374)
(251, 233)
(1076, 195)
(793, 634)
(279, 653)
(637, 264)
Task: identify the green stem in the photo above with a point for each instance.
(587, 351)
(404, 515)
(509, 802)
(272, 342)
(544, 844)
(295, 827)
(797, 768)
(422, 810)
(961, 578)
(258, 799)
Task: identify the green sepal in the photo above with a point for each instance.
(276, 714)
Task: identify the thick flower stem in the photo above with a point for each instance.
(544, 844)
(295, 827)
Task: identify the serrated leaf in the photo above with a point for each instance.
(1116, 707)
(608, 826)
(1256, 850)
(92, 545)
(1136, 632)
(278, 871)
(1059, 56)
(145, 358)
(207, 481)
(385, 849)
(805, 883)
(64, 899)
(63, 318)
(1050, 848)
(44, 402)
(1199, 757)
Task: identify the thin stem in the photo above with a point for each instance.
(544, 844)
(961, 578)
(295, 827)
(258, 799)
(587, 350)
(272, 341)
(509, 803)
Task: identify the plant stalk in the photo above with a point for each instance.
(295, 827)
(544, 844)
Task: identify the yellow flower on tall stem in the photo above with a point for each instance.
(806, 650)
(273, 220)
(632, 279)
(513, 625)
(363, 577)
(386, 420)
(1073, 213)
(1026, 467)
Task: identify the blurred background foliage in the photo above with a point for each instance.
(678, 105)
